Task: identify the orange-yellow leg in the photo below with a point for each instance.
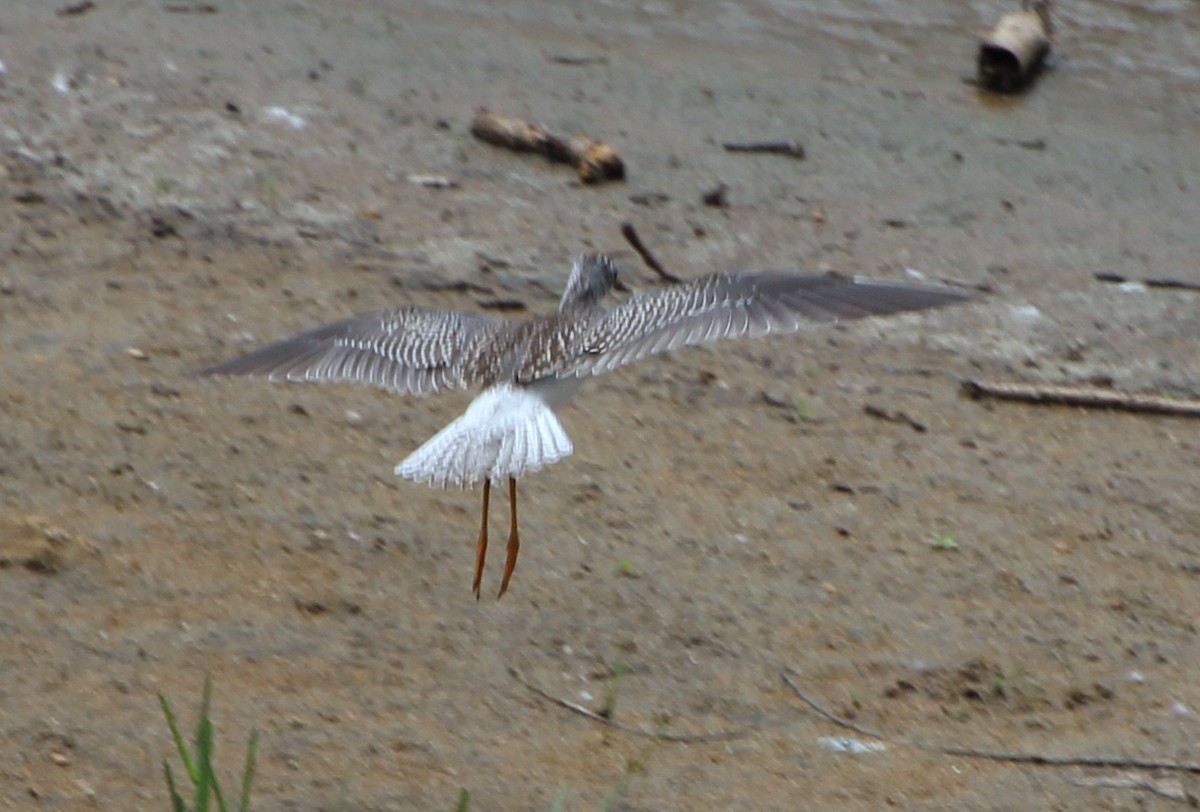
(481, 548)
(514, 538)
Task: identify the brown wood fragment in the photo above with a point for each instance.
(1091, 397)
(595, 160)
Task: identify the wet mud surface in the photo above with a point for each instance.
(181, 187)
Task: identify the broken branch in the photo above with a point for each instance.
(1091, 397)
(595, 160)
(630, 234)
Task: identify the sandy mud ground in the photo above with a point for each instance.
(181, 183)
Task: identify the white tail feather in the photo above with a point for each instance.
(506, 431)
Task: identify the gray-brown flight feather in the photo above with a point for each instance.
(731, 305)
(410, 350)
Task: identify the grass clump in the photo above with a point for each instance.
(198, 761)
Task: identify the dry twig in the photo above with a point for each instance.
(1150, 282)
(1092, 397)
(721, 736)
(595, 160)
(1011, 757)
(789, 148)
(630, 234)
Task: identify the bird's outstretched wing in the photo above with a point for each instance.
(731, 305)
(409, 351)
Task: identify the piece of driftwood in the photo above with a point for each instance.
(595, 160)
(1092, 397)
(1012, 53)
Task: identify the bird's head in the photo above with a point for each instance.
(592, 276)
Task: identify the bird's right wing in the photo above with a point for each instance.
(411, 350)
(731, 305)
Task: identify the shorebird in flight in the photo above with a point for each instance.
(527, 368)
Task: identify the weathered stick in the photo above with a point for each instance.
(1012, 53)
(1150, 282)
(595, 160)
(1091, 397)
(720, 736)
(630, 234)
(1012, 757)
(789, 148)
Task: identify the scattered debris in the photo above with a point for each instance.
(190, 8)
(598, 716)
(649, 198)
(893, 416)
(76, 9)
(432, 181)
(577, 61)
(717, 197)
(295, 121)
(35, 544)
(791, 149)
(851, 746)
(1172, 284)
(1041, 759)
(1012, 54)
(630, 234)
(1034, 144)
(1092, 397)
(595, 160)
(1164, 786)
(943, 541)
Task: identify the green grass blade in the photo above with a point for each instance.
(204, 752)
(248, 771)
(184, 756)
(464, 801)
(609, 708)
(206, 733)
(177, 804)
(205, 705)
(200, 763)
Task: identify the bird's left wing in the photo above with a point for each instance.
(410, 350)
(731, 305)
